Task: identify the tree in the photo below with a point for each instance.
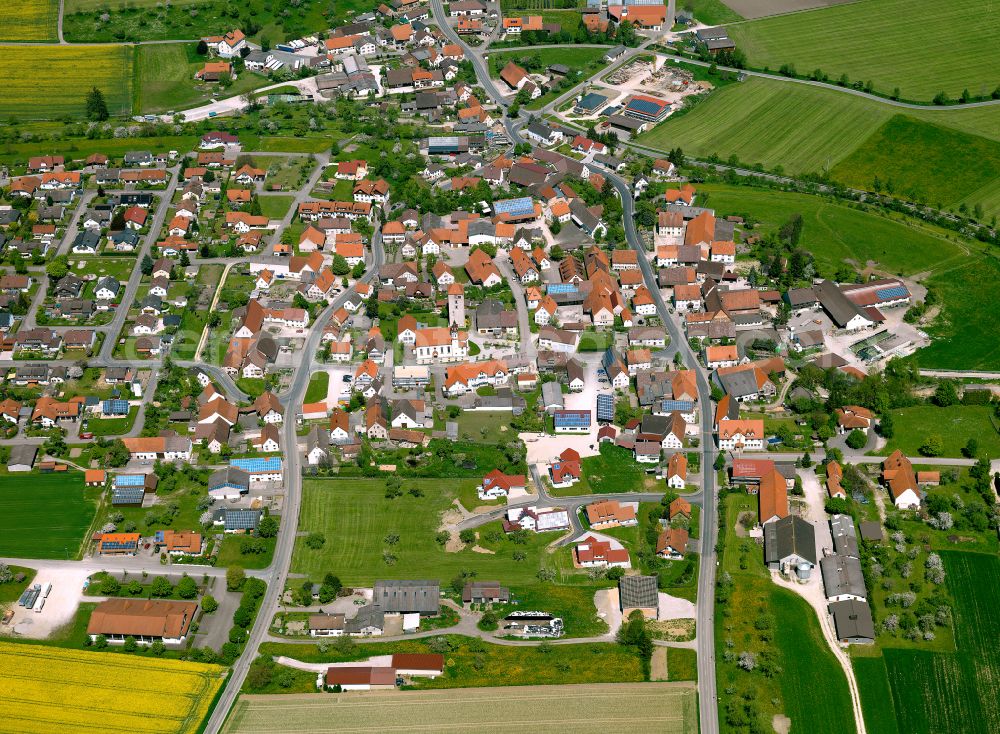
(202, 48)
(146, 266)
(134, 587)
(720, 462)
(208, 603)
(886, 427)
(118, 454)
(6, 575)
(933, 446)
(315, 541)
(856, 439)
(110, 586)
(267, 527)
(339, 265)
(235, 578)
(161, 587)
(57, 268)
(945, 394)
(187, 588)
(467, 536)
(971, 449)
(97, 106)
(358, 270)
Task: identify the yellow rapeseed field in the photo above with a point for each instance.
(29, 20)
(52, 690)
(47, 83)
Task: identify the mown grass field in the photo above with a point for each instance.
(59, 79)
(955, 424)
(889, 42)
(44, 515)
(806, 129)
(355, 518)
(30, 20)
(652, 707)
(945, 692)
(55, 690)
(835, 233)
(951, 166)
(811, 689)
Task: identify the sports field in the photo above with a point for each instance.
(29, 20)
(921, 46)
(356, 519)
(51, 690)
(663, 708)
(947, 692)
(60, 78)
(807, 129)
(44, 516)
(835, 233)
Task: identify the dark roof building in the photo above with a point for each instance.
(853, 621)
(790, 545)
(407, 596)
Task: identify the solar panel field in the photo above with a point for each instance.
(53, 690)
(44, 516)
(663, 708)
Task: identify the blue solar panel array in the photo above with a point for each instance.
(127, 495)
(115, 407)
(563, 288)
(241, 519)
(257, 466)
(605, 407)
(572, 419)
(646, 107)
(520, 207)
(891, 294)
(118, 545)
(130, 480)
(682, 406)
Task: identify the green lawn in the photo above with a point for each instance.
(230, 555)
(955, 425)
(11, 591)
(888, 42)
(963, 339)
(79, 149)
(947, 692)
(488, 426)
(44, 515)
(113, 426)
(319, 385)
(613, 470)
(355, 518)
(682, 664)
(473, 663)
(903, 152)
(806, 129)
(835, 233)
(575, 604)
(165, 79)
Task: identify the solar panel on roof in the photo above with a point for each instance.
(605, 407)
(115, 406)
(130, 480)
(241, 519)
(562, 288)
(127, 495)
(257, 466)
(516, 207)
(888, 294)
(575, 418)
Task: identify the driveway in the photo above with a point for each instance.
(609, 609)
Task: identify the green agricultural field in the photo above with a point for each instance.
(545, 709)
(835, 233)
(889, 42)
(79, 149)
(30, 20)
(876, 698)
(711, 12)
(953, 692)
(804, 129)
(355, 518)
(44, 515)
(963, 339)
(955, 425)
(952, 166)
(60, 79)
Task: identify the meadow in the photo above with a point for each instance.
(834, 232)
(800, 129)
(355, 518)
(164, 79)
(44, 515)
(474, 663)
(661, 708)
(60, 79)
(956, 424)
(154, 20)
(57, 691)
(945, 692)
(886, 41)
(810, 688)
(30, 20)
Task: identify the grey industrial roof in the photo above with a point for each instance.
(638, 591)
(853, 619)
(789, 536)
(842, 575)
(840, 308)
(407, 596)
(845, 537)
